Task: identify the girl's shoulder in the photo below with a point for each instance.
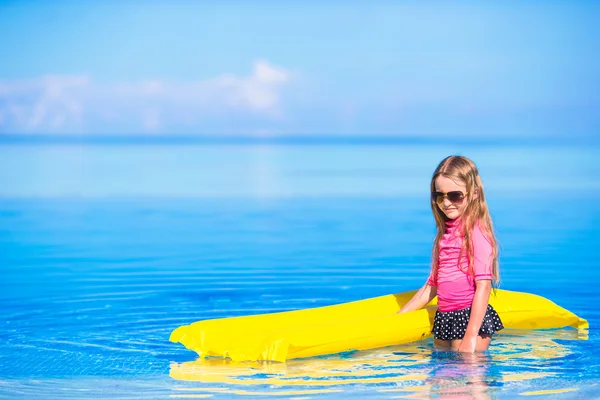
(480, 234)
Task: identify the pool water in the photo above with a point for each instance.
(98, 267)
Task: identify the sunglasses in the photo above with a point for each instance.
(454, 197)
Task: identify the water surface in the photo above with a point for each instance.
(105, 249)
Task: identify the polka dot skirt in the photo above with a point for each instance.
(453, 324)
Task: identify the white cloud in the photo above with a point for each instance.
(257, 92)
(46, 102)
(80, 104)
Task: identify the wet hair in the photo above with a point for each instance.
(462, 170)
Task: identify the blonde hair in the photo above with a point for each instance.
(459, 168)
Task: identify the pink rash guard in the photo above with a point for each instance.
(455, 287)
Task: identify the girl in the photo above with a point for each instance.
(465, 260)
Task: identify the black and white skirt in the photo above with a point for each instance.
(453, 324)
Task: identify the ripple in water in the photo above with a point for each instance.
(409, 371)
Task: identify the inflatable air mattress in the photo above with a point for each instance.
(358, 325)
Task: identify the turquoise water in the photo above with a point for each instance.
(105, 249)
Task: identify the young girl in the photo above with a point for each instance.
(465, 260)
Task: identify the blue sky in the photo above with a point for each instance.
(308, 68)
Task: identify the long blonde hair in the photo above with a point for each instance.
(459, 168)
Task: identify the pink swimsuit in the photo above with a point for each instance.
(455, 287)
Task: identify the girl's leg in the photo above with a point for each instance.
(440, 344)
(483, 342)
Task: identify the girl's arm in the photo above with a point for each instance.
(478, 309)
(420, 299)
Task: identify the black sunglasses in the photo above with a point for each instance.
(454, 197)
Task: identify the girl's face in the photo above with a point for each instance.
(452, 209)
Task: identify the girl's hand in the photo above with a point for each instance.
(420, 299)
(468, 344)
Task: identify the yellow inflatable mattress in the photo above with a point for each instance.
(357, 325)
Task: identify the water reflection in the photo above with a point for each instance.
(412, 370)
(462, 376)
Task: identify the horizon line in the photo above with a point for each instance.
(286, 139)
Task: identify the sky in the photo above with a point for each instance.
(267, 68)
